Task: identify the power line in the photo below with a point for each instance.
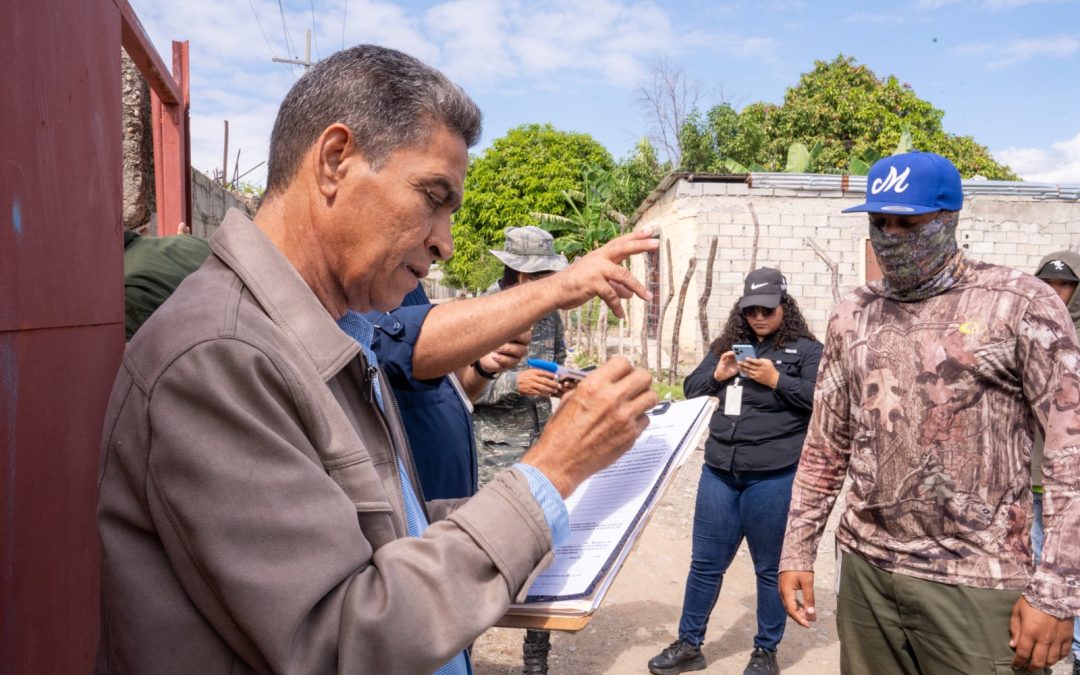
(306, 63)
(343, 15)
(259, 23)
(314, 33)
(285, 30)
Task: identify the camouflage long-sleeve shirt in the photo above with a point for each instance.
(930, 408)
(507, 423)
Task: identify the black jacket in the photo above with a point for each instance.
(768, 435)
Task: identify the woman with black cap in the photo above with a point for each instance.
(755, 438)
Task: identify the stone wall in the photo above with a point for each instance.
(209, 201)
(1014, 230)
(138, 162)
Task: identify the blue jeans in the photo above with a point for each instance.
(730, 507)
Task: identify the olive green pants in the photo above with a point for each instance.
(892, 624)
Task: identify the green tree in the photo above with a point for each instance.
(522, 173)
(635, 177)
(698, 145)
(851, 113)
(739, 137)
(592, 221)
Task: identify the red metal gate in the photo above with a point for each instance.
(61, 305)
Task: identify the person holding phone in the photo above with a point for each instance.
(762, 368)
(512, 410)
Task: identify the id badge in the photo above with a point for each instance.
(733, 399)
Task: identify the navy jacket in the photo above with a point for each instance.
(438, 424)
(769, 434)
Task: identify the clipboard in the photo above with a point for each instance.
(572, 610)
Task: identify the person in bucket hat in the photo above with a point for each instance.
(931, 384)
(512, 411)
(530, 250)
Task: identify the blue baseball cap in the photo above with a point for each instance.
(911, 184)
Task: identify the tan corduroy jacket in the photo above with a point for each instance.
(250, 508)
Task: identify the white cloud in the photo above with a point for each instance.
(1058, 164)
(1000, 55)
(1010, 4)
(991, 5)
(877, 17)
(512, 45)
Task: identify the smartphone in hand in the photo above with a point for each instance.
(743, 352)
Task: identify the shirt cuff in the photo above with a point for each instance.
(558, 518)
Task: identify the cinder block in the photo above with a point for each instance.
(784, 192)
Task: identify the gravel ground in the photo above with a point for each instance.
(640, 615)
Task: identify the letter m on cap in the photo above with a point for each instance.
(895, 182)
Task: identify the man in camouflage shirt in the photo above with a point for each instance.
(931, 384)
(512, 411)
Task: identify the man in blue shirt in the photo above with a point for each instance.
(437, 413)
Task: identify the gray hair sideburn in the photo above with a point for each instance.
(388, 99)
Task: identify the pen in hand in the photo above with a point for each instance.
(560, 371)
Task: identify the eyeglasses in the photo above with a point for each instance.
(766, 312)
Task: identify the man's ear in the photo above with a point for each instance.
(331, 157)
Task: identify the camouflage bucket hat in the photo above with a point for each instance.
(530, 249)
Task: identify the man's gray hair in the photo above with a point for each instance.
(389, 100)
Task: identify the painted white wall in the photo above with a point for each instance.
(1009, 230)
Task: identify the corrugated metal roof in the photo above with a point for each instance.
(972, 186)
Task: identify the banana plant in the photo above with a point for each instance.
(734, 167)
(593, 222)
(859, 165)
(801, 160)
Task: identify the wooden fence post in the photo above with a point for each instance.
(678, 321)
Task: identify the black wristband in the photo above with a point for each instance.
(483, 373)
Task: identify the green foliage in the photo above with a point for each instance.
(591, 222)
(664, 389)
(635, 176)
(526, 171)
(249, 189)
(740, 138)
(698, 151)
(801, 160)
(847, 112)
(582, 359)
(859, 165)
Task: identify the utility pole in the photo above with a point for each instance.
(306, 63)
(225, 157)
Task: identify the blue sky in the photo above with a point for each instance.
(1004, 71)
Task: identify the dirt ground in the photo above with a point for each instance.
(640, 615)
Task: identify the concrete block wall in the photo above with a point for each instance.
(209, 202)
(1009, 230)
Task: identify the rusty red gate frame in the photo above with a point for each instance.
(170, 104)
(62, 303)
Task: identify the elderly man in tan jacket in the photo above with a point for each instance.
(259, 509)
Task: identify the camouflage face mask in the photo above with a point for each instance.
(921, 263)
